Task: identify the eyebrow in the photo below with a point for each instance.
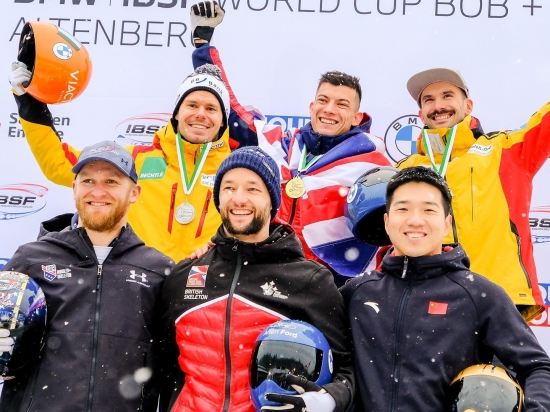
(250, 182)
(443, 92)
(426, 203)
(327, 97)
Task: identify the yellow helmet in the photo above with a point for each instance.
(480, 388)
(60, 65)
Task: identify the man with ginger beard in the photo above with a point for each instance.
(101, 285)
(213, 308)
(491, 177)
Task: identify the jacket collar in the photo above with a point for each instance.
(452, 259)
(320, 144)
(58, 231)
(468, 131)
(281, 244)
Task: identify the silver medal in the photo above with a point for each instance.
(185, 213)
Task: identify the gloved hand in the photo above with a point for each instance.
(18, 75)
(204, 17)
(5, 341)
(311, 397)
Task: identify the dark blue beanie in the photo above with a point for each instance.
(255, 159)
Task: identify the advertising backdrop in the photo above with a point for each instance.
(274, 52)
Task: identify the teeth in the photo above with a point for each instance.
(241, 212)
(198, 126)
(415, 235)
(327, 121)
(97, 204)
(442, 117)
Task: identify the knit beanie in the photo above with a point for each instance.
(206, 77)
(255, 159)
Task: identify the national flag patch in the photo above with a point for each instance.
(50, 272)
(197, 276)
(437, 308)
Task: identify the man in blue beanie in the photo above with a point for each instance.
(213, 308)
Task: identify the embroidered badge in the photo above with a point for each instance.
(197, 277)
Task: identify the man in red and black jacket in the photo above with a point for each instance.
(214, 308)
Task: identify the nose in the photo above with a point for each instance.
(239, 196)
(201, 111)
(415, 219)
(330, 107)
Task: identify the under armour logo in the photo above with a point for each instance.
(142, 277)
(124, 161)
(373, 305)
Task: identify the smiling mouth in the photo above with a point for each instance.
(441, 116)
(241, 212)
(415, 235)
(327, 121)
(97, 203)
(199, 126)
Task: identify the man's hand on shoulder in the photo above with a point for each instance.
(200, 252)
(19, 74)
(205, 16)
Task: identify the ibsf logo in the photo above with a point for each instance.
(401, 136)
(21, 200)
(539, 221)
(141, 129)
(544, 317)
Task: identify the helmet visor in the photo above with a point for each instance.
(484, 393)
(274, 360)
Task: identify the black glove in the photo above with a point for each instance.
(205, 16)
(311, 397)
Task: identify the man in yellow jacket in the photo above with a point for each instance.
(490, 176)
(176, 212)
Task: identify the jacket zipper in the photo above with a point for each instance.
(472, 190)
(292, 211)
(172, 204)
(518, 240)
(226, 345)
(398, 328)
(95, 339)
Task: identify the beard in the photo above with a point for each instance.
(254, 227)
(100, 222)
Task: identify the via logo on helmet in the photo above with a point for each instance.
(401, 135)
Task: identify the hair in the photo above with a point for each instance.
(341, 79)
(420, 174)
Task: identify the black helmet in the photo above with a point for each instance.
(480, 388)
(23, 312)
(366, 205)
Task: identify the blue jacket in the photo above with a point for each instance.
(420, 321)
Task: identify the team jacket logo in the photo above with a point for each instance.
(51, 273)
(480, 149)
(271, 290)
(137, 278)
(197, 277)
(373, 305)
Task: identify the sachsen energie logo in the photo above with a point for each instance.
(401, 136)
(539, 221)
(21, 200)
(140, 130)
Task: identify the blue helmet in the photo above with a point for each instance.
(23, 312)
(366, 205)
(288, 347)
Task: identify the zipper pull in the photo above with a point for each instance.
(99, 270)
(235, 246)
(405, 264)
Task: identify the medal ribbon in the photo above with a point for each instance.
(446, 153)
(188, 184)
(304, 165)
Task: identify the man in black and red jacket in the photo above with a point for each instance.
(256, 274)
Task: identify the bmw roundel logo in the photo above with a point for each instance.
(401, 136)
(62, 51)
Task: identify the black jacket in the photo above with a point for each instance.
(99, 322)
(420, 321)
(244, 288)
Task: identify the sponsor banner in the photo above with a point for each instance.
(21, 200)
(401, 135)
(544, 319)
(539, 220)
(140, 130)
(287, 122)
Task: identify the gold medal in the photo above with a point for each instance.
(295, 188)
(185, 213)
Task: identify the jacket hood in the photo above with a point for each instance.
(469, 130)
(281, 244)
(57, 224)
(452, 259)
(320, 144)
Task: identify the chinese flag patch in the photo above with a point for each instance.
(437, 308)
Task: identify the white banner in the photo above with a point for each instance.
(274, 52)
